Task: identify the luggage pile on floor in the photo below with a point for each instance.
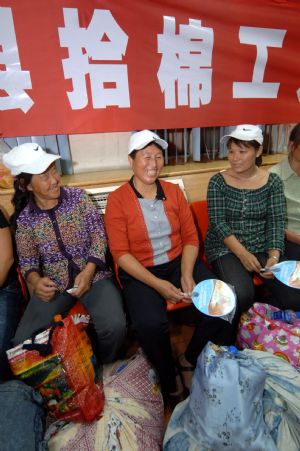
(243, 399)
(240, 400)
(132, 418)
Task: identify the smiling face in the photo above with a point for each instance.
(46, 187)
(146, 165)
(242, 157)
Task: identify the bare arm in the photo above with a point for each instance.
(189, 256)
(248, 260)
(133, 267)
(6, 256)
(293, 237)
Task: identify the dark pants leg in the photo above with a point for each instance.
(149, 322)
(208, 328)
(229, 269)
(39, 315)
(104, 304)
(147, 310)
(283, 296)
(292, 251)
(11, 304)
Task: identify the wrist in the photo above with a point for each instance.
(187, 275)
(274, 257)
(33, 279)
(89, 271)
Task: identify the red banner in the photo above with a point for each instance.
(81, 66)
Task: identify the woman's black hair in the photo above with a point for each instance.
(295, 135)
(135, 151)
(21, 196)
(241, 142)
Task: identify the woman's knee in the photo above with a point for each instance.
(112, 323)
(231, 271)
(117, 326)
(150, 327)
(245, 296)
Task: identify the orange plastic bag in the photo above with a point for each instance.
(60, 364)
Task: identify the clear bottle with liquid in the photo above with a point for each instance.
(288, 316)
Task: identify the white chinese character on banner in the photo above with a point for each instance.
(102, 40)
(262, 38)
(13, 80)
(185, 63)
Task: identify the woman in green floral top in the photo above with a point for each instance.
(247, 210)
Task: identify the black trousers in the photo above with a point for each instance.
(229, 269)
(292, 251)
(149, 320)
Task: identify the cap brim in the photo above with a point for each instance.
(225, 138)
(41, 167)
(237, 136)
(161, 142)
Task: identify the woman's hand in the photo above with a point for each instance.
(268, 274)
(187, 284)
(83, 280)
(168, 291)
(44, 288)
(82, 284)
(249, 261)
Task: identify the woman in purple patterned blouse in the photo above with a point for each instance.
(61, 245)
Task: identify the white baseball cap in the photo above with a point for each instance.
(245, 132)
(29, 158)
(139, 140)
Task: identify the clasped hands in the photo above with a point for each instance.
(173, 294)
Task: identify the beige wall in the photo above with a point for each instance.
(99, 151)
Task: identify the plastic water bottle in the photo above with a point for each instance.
(233, 350)
(289, 316)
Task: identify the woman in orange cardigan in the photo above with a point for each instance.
(153, 239)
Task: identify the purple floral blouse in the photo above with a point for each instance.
(59, 242)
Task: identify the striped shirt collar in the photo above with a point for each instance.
(160, 195)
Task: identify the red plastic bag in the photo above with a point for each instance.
(60, 364)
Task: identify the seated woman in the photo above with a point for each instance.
(11, 300)
(246, 207)
(289, 172)
(61, 245)
(153, 239)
